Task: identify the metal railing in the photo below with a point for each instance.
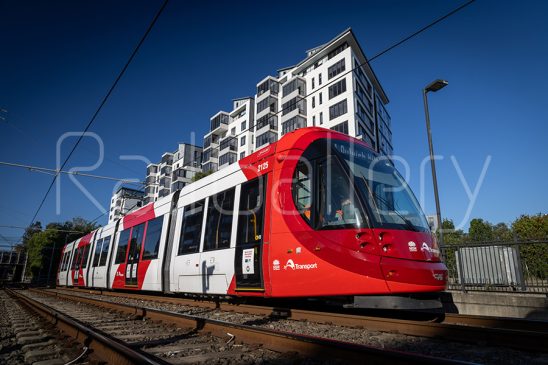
(520, 266)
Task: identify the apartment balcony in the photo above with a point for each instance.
(210, 154)
(229, 142)
(210, 166)
(269, 86)
(167, 158)
(178, 185)
(152, 169)
(267, 105)
(166, 170)
(228, 158)
(293, 123)
(266, 123)
(150, 180)
(164, 191)
(294, 107)
(295, 87)
(218, 124)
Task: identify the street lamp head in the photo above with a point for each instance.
(436, 85)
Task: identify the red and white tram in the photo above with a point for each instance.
(316, 214)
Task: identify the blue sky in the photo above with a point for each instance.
(58, 59)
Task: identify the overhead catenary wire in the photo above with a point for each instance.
(54, 171)
(100, 107)
(368, 61)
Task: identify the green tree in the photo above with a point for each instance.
(502, 233)
(451, 237)
(534, 256)
(480, 230)
(44, 246)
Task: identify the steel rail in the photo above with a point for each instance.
(106, 347)
(514, 333)
(280, 341)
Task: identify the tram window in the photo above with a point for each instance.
(62, 262)
(338, 207)
(76, 259)
(97, 252)
(136, 241)
(152, 239)
(86, 256)
(191, 233)
(104, 251)
(302, 189)
(219, 220)
(122, 246)
(250, 220)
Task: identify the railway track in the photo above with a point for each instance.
(146, 335)
(25, 337)
(508, 332)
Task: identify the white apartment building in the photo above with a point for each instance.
(173, 172)
(124, 201)
(230, 136)
(333, 87)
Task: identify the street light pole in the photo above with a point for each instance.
(433, 86)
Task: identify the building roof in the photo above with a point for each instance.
(346, 36)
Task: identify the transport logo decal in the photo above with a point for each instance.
(276, 265)
(412, 246)
(427, 248)
(290, 264)
(438, 276)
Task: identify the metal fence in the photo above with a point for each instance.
(520, 266)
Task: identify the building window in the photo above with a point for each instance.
(295, 84)
(314, 120)
(321, 101)
(242, 155)
(242, 141)
(336, 69)
(292, 124)
(271, 120)
(341, 127)
(227, 158)
(313, 102)
(267, 137)
(320, 78)
(313, 86)
(293, 104)
(338, 109)
(244, 125)
(321, 118)
(337, 50)
(337, 89)
(233, 131)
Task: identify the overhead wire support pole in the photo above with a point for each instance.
(103, 102)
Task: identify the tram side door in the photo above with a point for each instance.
(134, 254)
(76, 266)
(250, 237)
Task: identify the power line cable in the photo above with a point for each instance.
(53, 172)
(103, 102)
(367, 62)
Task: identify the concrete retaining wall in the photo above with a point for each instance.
(530, 306)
